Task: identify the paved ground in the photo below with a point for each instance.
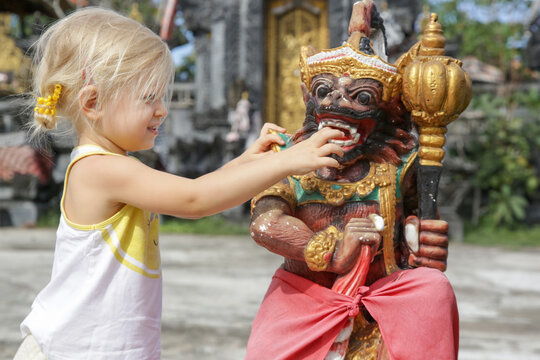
(213, 286)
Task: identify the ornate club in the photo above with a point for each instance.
(435, 90)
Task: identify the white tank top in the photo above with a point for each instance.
(104, 297)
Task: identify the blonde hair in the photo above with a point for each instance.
(99, 47)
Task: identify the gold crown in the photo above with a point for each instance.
(356, 58)
(347, 61)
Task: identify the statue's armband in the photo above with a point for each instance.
(320, 248)
(282, 190)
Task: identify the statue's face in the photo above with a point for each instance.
(350, 105)
(375, 130)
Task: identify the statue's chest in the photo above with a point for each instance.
(312, 189)
(321, 203)
(318, 216)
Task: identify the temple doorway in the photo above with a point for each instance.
(289, 24)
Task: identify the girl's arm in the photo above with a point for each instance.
(261, 146)
(128, 181)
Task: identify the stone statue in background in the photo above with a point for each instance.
(240, 122)
(363, 247)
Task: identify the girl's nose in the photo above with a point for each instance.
(161, 110)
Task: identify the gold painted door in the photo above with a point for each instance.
(290, 25)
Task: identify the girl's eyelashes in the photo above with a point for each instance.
(149, 99)
(153, 98)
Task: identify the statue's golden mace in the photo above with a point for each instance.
(436, 90)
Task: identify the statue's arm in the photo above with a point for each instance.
(274, 227)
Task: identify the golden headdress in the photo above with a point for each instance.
(356, 57)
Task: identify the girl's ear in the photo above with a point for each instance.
(89, 104)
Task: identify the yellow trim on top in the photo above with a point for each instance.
(103, 223)
(122, 260)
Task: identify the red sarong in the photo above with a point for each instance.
(416, 311)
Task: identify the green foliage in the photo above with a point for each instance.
(504, 150)
(49, 218)
(488, 41)
(494, 51)
(212, 225)
(186, 71)
(147, 9)
(505, 207)
(487, 233)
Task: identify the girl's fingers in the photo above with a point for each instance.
(327, 161)
(270, 139)
(330, 148)
(322, 136)
(269, 126)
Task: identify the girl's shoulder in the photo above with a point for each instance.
(92, 186)
(105, 167)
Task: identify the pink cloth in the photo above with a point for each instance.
(416, 311)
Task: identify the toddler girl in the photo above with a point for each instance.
(110, 76)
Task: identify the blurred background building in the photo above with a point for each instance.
(237, 67)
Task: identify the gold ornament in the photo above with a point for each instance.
(336, 193)
(348, 61)
(320, 248)
(365, 340)
(281, 190)
(47, 106)
(435, 90)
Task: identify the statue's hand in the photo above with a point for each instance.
(358, 232)
(427, 241)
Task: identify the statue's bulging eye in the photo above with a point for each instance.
(364, 98)
(322, 91)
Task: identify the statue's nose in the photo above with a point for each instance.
(337, 98)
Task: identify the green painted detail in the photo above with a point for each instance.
(404, 159)
(302, 196)
(288, 141)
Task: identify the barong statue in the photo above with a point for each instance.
(363, 247)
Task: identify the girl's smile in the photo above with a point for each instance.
(153, 130)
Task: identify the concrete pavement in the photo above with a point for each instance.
(213, 286)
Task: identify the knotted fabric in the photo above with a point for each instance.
(299, 319)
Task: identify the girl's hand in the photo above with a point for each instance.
(266, 139)
(263, 145)
(311, 154)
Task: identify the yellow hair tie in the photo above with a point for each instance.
(48, 105)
